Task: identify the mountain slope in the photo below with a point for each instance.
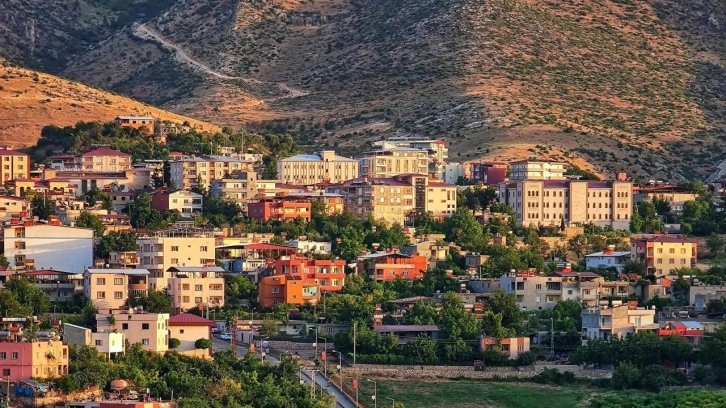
(30, 100)
(634, 85)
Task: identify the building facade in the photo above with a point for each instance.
(555, 202)
(41, 359)
(328, 274)
(609, 258)
(663, 254)
(536, 170)
(606, 323)
(15, 165)
(193, 287)
(150, 330)
(188, 328)
(283, 208)
(393, 161)
(200, 171)
(47, 246)
(323, 166)
(489, 173)
(110, 288)
(187, 203)
(287, 289)
(136, 122)
(387, 266)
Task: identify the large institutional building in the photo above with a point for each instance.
(324, 166)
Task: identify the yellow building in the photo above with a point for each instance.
(188, 328)
(663, 254)
(110, 288)
(15, 165)
(182, 247)
(191, 287)
(394, 161)
(200, 171)
(241, 189)
(554, 202)
(150, 330)
(324, 166)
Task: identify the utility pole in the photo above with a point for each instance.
(355, 332)
(233, 340)
(552, 336)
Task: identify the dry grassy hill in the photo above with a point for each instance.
(30, 100)
(631, 85)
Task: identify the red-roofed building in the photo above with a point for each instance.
(188, 328)
(389, 266)
(280, 208)
(489, 172)
(143, 123)
(15, 165)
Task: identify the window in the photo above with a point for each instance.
(203, 248)
(198, 288)
(124, 326)
(181, 331)
(174, 248)
(99, 343)
(118, 295)
(198, 300)
(14, 355)
(671, 261)
(100, 281)
(672, 251)
(144, 326)
(275, 290)
(145, 342)
(175, 260)
(100, 295)
(6, 372)
(118, 281)
(3, 356)
(683, 250)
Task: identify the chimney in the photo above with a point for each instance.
(622, 177)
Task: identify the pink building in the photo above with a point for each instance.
(37, 359)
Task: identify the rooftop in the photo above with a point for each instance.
(406, 328)
(133, 272)
(609, 253)
(315, 157)
(188, 319)
(105, 151)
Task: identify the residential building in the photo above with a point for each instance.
(663, 254)
(609, 258)
(15, 165)
(145, 123)
(433, 251)
(31, 246)
(107, 343)
(490, 173)
(110, 288)
(511, 347)
(437, 150)
(191, 287)
(81, 181)
(123, 259)
(474, 261)
(407, 332)
(252, 259)
(150, 330)
(23, 359)
(334, 203)
(281, 208)
(557, 202)
(188, 328)
(690, 331)
(675, 196)
(180, 247)
(59, 286)
(187, 203)
(323, 166)
(200, 171)
(393, 161)
(241, 189)
(287, 289)
(536, 170)
(122, 200)
(328, 274)
(11, 205)
(700, 295)
(310, 247)
(532, 291)
(605, 323)
(453, 172)
(387, 266)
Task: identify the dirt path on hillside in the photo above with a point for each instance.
(144, 32)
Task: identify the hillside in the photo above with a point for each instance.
(30, 100)
(635, 85)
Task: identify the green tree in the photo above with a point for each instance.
(715, 244)
(153, 302)
(506, 305)
(203, 343)
(423, 314)
(239, 288)
(492, 326)
(42, 207)
(174, 343)
(352, 242)
(33, 300)
(465, 230)
(117, 241)
(579, 245)
(91, 221)
(94, 196)
(144, 216)
(455, 322)
(626, 376)
(421, 349)
(269, 328)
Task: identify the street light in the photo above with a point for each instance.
(340, 367)
(375, 392)
(252, 328)
(325, 350)
(263, 356)
(393, 404)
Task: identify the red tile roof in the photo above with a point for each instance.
(105, 151)
(10, 152)
(188, 319)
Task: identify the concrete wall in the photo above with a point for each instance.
(76, 335)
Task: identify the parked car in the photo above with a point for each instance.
(226, 336)
(215, 329)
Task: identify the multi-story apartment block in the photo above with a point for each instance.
(334, 203)
(106, 343)
(608, 258)
(280, 208)
(80, 181)
(110, 288)
(286, 289)
(663, 254)
(187, 203)
(191, 287)
(453, 172)
(387, 266)
(150, 330)
(23, 359)
(324, 166)
(241, 189)
(489, 172)
(59, 286)
(536, 170)
(556, 202)
(31, 246)
(145, 123)
(605, 323)
(328, 274)
(437, 150)
(102, 159)
(181, 247)
(532, 291)
(200, 171)
(393, 199)
(393, 161)
(15, 165)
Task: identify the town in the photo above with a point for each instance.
(147, 263)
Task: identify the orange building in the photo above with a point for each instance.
(23, 360)
(328, 274)
(136, 122)
(292, 290)
(280, 208)
(389, 266)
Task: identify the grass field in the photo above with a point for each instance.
(468, 394)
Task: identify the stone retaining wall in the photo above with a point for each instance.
(430, 372)
(293, 346)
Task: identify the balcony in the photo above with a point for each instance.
(138, 287)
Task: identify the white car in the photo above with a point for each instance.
(215, 329)
(226, 336)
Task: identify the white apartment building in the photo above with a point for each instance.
(536, 170)
(150, 330)
(604, 323)
(323, 166)
(181, 247)
(394, 161)
(200, 171)
(310, 247)
(554, 202)
(437, 150)
(608, 258)
(191, 287)
(241, 189)
(47, 246)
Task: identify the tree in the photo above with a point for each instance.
(144, 216)
(42, 207)
(239, 288)
(492, 326)
(465, 230)
(506, 305)
(269, 328)
(31, 299)
(117, 241)
(174, 343)
(715, 244)
(88, 220)
(626, 376)
(203, 344)
(423, 314)
(579, 245)
(421, 349)
(95, 195)
(153, 302)
(455, 322)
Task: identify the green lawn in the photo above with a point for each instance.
(468, 394)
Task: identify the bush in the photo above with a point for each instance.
(526, 359)
(174, 343)
(553, 376)
(380, 359)
(626, 376)
(203, 344)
